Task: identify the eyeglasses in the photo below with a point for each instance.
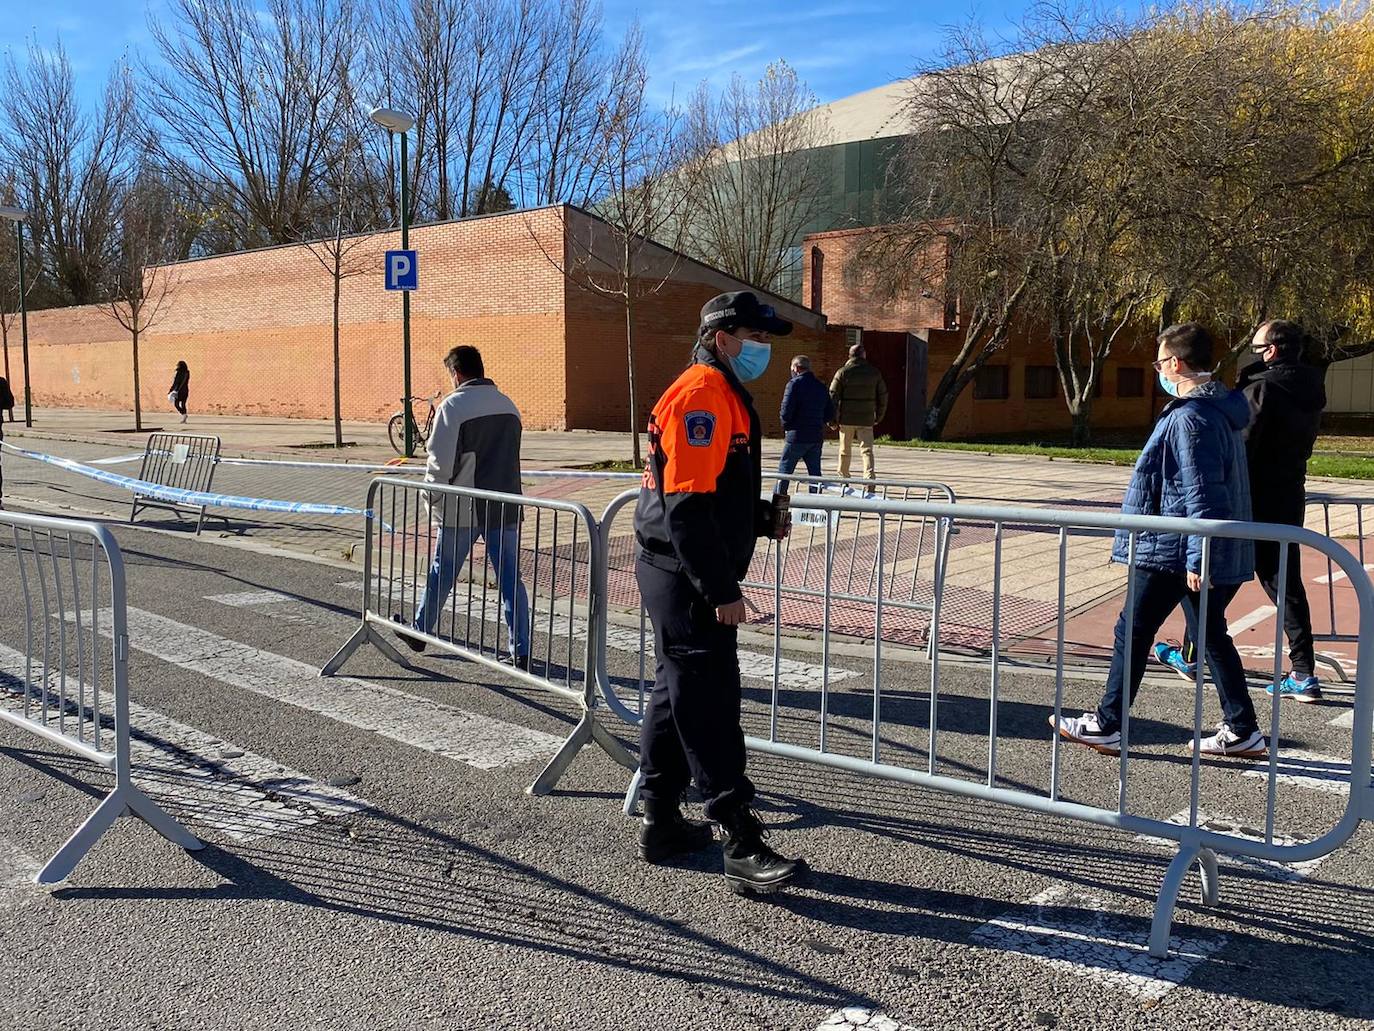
(1159, 365)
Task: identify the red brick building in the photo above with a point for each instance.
(256, 329)
(914, 337)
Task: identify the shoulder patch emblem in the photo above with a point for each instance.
(701, 428)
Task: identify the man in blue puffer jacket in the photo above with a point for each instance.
(1193, 467)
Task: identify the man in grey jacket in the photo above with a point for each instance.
(475, 442)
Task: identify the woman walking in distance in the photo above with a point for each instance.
(181, 387)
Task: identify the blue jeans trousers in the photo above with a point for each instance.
(794, 452)
(503, 552)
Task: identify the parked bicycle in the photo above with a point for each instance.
(395, 429)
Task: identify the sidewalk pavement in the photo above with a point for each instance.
(975, 477)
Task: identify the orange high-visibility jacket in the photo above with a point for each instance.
(699, 505)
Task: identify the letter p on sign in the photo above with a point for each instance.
(402, 270)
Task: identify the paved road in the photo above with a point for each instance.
(373, 860)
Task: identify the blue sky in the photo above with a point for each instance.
(838, 48)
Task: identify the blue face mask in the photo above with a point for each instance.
(1169, 386)
(752, 360)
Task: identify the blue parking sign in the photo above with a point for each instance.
(402, 270)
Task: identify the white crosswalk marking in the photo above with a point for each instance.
(1224, 824)
(856, 1018)
(1074, 931)
(1338, 575)
(186, 770)
(480, 741)
(17, 871)
(753, 665)
(1311, 770)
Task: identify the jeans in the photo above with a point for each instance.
(1156, 595)
(503, 552)
(795, 451)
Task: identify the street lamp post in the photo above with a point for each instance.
(18, 216)
(399, 122)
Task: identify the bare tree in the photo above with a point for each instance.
(141, 284)
(255, 102)
(757, 175)
(349, 250)
(975, 172)
(631, 249)
(69, 166)
(556, 162)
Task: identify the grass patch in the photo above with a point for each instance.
(1349, 467)
(609, 465)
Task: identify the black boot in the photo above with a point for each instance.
(665, 832)
(415, 644)
(750, 865)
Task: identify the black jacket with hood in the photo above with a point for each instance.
(1286, 399)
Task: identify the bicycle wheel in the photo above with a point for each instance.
(396, 430)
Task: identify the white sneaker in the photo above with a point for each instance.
(183, 418)
(1227, 742)
(1085, 730)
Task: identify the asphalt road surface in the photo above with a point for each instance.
(373, 860)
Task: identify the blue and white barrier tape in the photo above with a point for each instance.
(182, 496)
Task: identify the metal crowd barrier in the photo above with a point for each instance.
(881, 747)
(68, 686)
(1342, 518)
(558, 552)
(182, 461)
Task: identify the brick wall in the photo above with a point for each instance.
(849, 296)
(255, 328)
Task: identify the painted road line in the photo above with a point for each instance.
(1071, 930)
(470, 738)
(1345, 720)
(1224, 824)
(283, 607)
(860, 1019)
(1251, 619)
(17, 871)
(1311, 770)
(211, 781)
(1338, 575)
(754, 665)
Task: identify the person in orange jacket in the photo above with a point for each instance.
(699, 514)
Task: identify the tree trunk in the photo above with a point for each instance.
(630, 365)
(338, 416)
(138, 407)
(5, 337)
(1082, 421)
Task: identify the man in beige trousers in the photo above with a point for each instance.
(860, 397)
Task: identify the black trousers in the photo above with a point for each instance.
(691, 729)
(1297, 613)
(180, 403)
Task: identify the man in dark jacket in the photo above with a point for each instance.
(1193, 467)
(6, 403)
(806, 411)
(1286, 396)
(860, 397)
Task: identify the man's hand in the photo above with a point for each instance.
(1195, 582)
(732, 614)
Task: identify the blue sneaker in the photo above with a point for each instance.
(1305, 690)
(1172, 656)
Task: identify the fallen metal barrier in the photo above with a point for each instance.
(180, 461)
(888, 756)
(68, 686)
(548, 556)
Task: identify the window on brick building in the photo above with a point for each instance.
(1042, 382)
(992, 383)
(1130, 382)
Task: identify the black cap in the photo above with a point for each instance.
(741, 309)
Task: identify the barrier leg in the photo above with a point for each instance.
(155, 817)
(1327, 660)
(587, 730)
(364, 634)
(632, 794)
(1168, 892)
(64, 861)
